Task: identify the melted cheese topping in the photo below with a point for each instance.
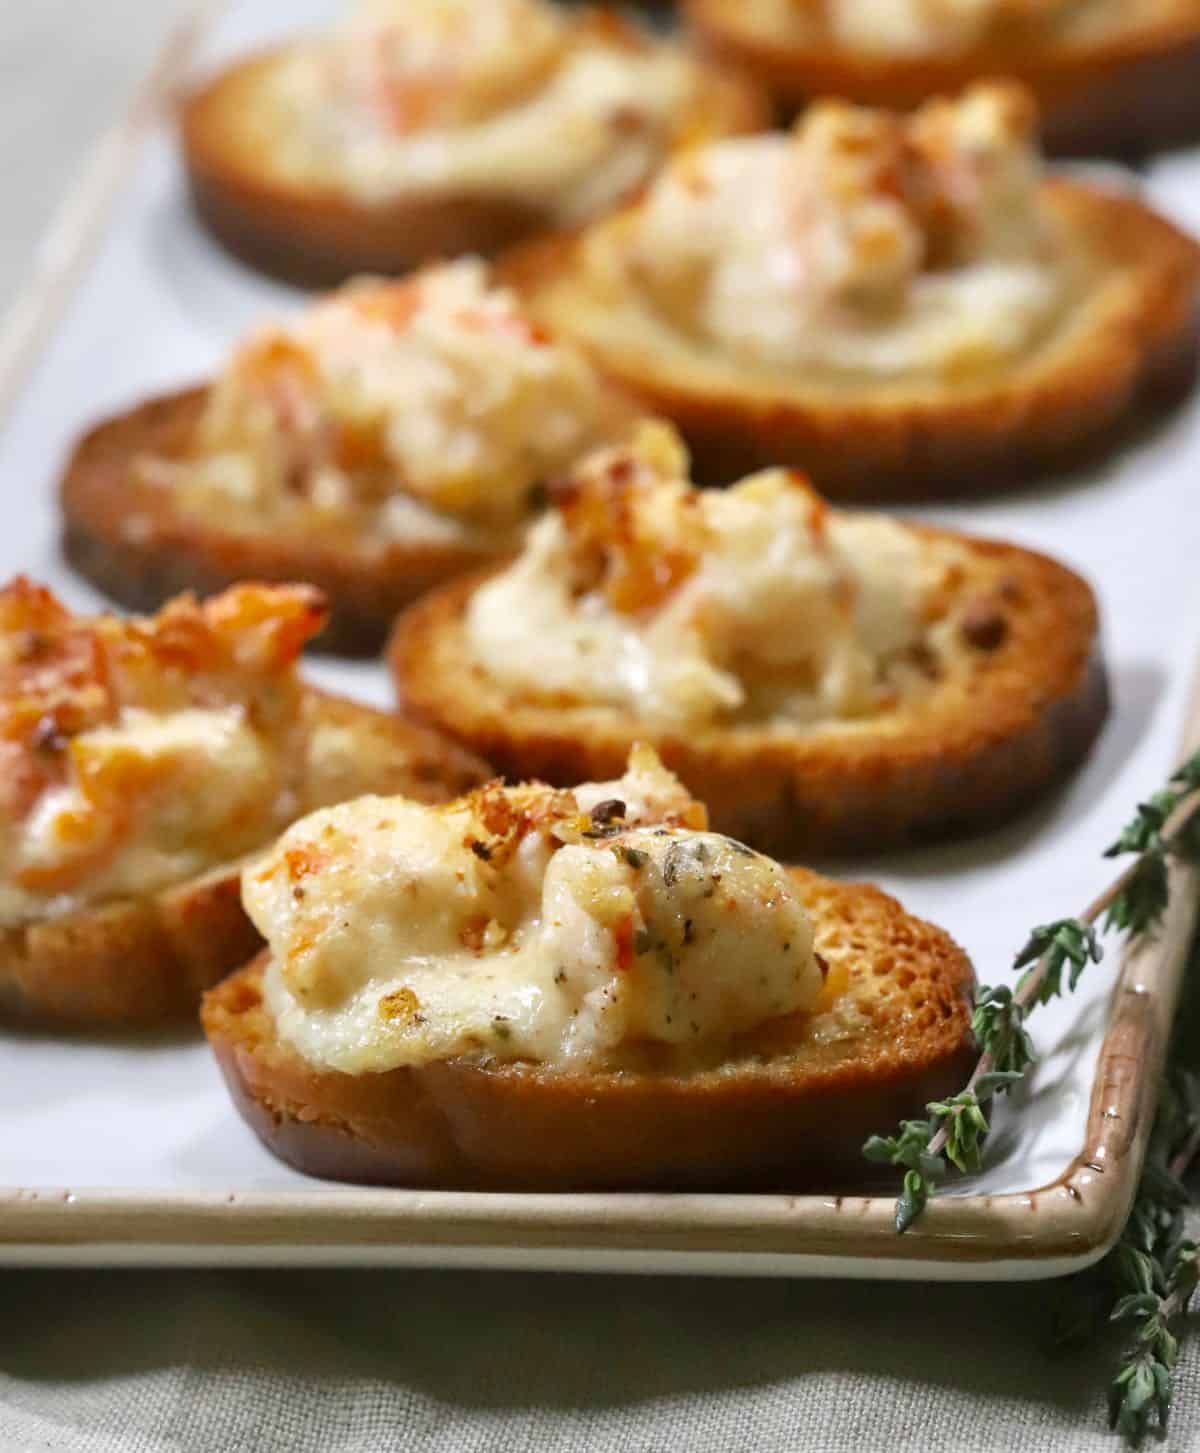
(431, 404)
(135, 754)
(864, 242)
(203, 777)
(930, 27)
(522, 923)
(506, 100)
(686, 606)
(413, 66)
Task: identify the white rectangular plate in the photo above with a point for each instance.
(119, 1150)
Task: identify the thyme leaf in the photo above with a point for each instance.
(1165, 826)
(1153, 1270)
(1069, 943)
(998, 1025)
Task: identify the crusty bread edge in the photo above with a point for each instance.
(141, 962)
(454, 1123)
(1055, 414)
(134, 963)
(1131, 94)
(814, 793)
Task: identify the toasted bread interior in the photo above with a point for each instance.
(791, 1106)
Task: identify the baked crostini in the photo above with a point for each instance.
(561, 989)
(1109, 75)
(824, 681)
(901, 306)
(428, 128)
(397, 434)
(142, 761)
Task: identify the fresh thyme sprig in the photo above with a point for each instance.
(1165, 826)
(1155, 1269)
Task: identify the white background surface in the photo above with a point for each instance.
(160, 306)
(65, 67)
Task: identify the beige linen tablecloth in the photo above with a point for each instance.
(124, 1361)
(439, 1362)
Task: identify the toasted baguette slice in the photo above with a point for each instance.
(145, 961)
(141, 545)
(1130, 344)
(962, 758)
(792, 1108)
(315, 236)
(1133, 91)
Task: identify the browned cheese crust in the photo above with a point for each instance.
(141, 544)
(1129, 347)
(145, 961)
(1131, 93)
(974, 752)
(792, 1106)
(318, 236)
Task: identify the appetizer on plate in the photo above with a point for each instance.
(552, 989)
(902, 306)
(143, 760)
(426, 128)
(395, 435)
(824, 681)
(1110, 75)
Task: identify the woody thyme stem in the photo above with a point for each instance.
(1027, 994)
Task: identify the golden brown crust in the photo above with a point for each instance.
(977, 750)
(146, 961)
(137, 962)
(1130, 345)
(795, 1106)
(318, 236)
(1129, 93)
(141, 545)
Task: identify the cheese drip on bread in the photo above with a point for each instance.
(684, 607)
(138, 753)
(941, 27)
(863, 243)
(428, 407)
(507, 100)
(525, 923)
